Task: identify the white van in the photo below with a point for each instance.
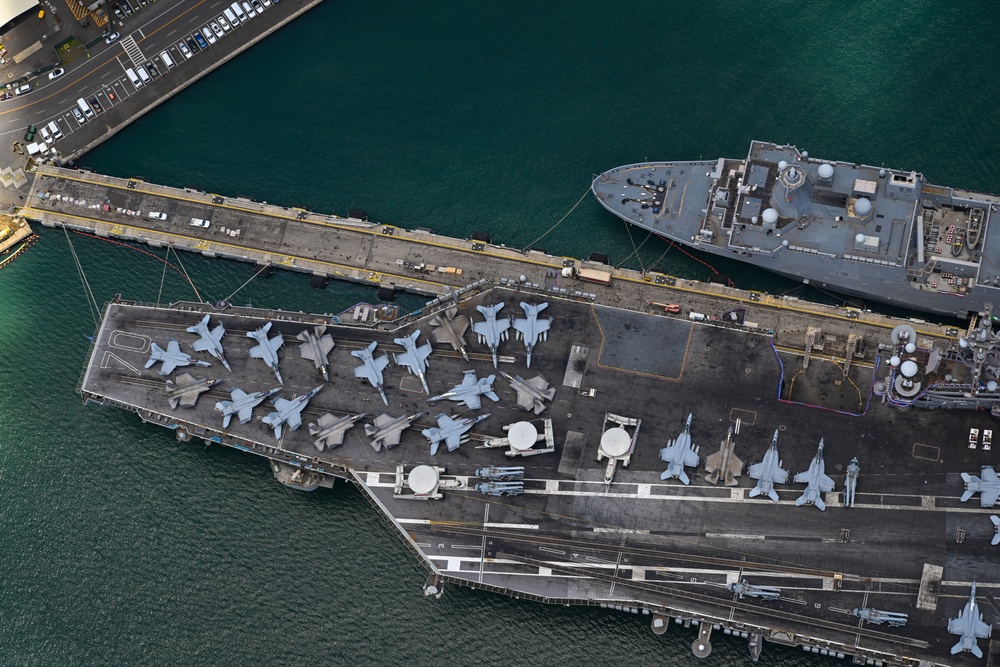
(167, 60)
(46, 135)
(239, 12)
(248, 9)
(130, 73)
(144, 75)
(85, 108)
(54, 130)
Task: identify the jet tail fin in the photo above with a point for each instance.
(820, 504)
(754, 492)
(773, 495)
(957, 648)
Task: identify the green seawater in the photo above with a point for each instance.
(119, 546)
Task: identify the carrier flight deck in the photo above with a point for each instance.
(567, 503)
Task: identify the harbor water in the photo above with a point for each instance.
(119, 546)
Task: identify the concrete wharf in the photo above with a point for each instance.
(376, 254)
(637, 544)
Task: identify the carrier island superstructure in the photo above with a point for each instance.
(870, 232)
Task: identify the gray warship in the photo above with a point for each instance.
(870, 232)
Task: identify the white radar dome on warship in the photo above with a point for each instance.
(991, 385)
(894, 362)
(782, 165)
(859, 238)
(825, 171)
(908, 368)
(863, 206)
(770, 216)
(910, 348)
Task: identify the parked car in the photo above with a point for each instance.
(217, 30)
(95, 105)
(198, 222)
(200, 40)
(257, 6)
(56, 73)
(23, 89)
(79, 116)
(156, 215)
(29, 135)
(112, 37)
(224, 23)
(207, 34)
(185, 51)
(191, 45)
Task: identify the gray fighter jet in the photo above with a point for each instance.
(969, 625)
(851, 482)
(329, 431)
(415, 358)
(450, 328)
(724, 465)
(743, 589)
(242, 404)
(172, 357)
(469, 391)
(210, 341)
(679, 453)
(315, 347)
(988, 486)
(768, 472)
(288, 412)
(267, 350)
(531, 394)
(387, 430)
(371, 368)
(501, 473)
(996, 529)
(493, 331)
(531, 329)
(186, 390)
(451, 431)
(878, 617)
(816, 481)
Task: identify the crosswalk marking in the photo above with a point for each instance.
(132, 50)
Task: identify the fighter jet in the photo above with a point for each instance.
(531, 394)
(450, 431)
(315, 347)
(969, 625)
(493, 331)
(531, 329)
(678, 453)
(242, 404)
(469, 391)
(415, 358)
(172, 357)
(210, 341)
(186, 390)
(743, 589)
(996, 529)
(816, 481)
(329, 430)
(768, 472)
(988, 486)
(288, 412)
(724, 464)
(371, 368)
(450, 329)
(267, 350)
(387, 429)
(878, 617)
(851, 482)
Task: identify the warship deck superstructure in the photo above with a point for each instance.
(638, 543)
(870, 232)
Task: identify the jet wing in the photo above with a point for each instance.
(174, 347)
(362, 372)
(333, 437)
(453, 441)
(391, 438)
(281, 403)
(522, 327)
(539, 383)
(825, 483)
(244, 414)
(202, 345)
(756, 471)
(468, 380)
(217, 333)
(956, 626)
(472, 401)
(981, 629)
(381, 362)
(186, 378)
(294, 420)
(168, 366)
(257, 352)
(989, 474)
(802, 477)
(237, 394)
(460, 325)
(407, 359)
(524, 400)
(691, 458)
(988, 497)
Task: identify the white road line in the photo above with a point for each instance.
(528, 526)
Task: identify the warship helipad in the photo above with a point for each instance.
(871, 232)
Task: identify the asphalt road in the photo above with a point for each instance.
(159, 27)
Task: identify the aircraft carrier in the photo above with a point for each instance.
(869, 232)
(589, 521)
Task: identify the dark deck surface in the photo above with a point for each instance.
(641, 541)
